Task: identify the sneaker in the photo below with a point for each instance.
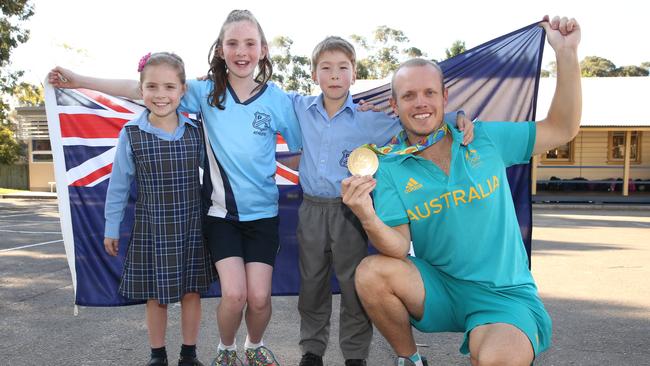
(226, 358)
(261, 356)
(401, 361)
(157, 361)
(189, 361)
(311, 359)
(355, 362)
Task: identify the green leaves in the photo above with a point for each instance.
(388, 48)
(14, 12)
(594, 66)
(9, 147)
(290, 71)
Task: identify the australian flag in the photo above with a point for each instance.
(497, 80)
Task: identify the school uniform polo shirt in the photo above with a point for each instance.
(329, 141)
(464, 224)
(241, 148)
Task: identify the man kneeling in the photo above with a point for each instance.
(470, 273)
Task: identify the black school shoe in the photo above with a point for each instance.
(353, 362)
(157, 361)
(189, 361)
(310, 359)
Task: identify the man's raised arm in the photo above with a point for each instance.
(563, 120)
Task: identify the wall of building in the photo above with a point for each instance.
(590, 160)
(40, 174)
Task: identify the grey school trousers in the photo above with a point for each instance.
(330, 238)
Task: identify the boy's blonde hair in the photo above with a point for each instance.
(333, 43)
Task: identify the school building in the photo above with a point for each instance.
(32, 129)
(609, 149)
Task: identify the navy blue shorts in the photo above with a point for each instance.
(254, 241)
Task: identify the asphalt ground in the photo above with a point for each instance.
(592, 267)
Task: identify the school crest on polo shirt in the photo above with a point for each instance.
(261, 123)
(345, 154)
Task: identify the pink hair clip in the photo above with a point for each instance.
(143, 61)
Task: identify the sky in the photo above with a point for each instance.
(107, 38)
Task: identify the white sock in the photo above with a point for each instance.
(415, 358)
(249, 345)
(232, 347)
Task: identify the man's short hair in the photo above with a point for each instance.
(333, 43)
(416, 62)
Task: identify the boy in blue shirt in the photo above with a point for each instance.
(330, 236)
(463, 279)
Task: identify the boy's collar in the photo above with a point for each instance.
(319, 102)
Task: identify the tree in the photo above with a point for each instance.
(457, 48)
(387, 49)
(597, 66)
(646, 65)
(9, 147)
(14, 13)
(291, 72)
(631, 70)
(413, 52)
(29, 95)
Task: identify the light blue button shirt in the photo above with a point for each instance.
(327, 142)
(123, 172)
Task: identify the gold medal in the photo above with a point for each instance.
(362, 161)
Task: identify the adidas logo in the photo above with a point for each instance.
(412, 185)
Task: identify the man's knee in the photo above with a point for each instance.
(368, 273)
(499, 344)
(499, 357)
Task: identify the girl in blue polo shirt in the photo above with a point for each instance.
(166, 260)
(242, 112)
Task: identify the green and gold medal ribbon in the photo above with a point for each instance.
(400, 145)
(363, 160)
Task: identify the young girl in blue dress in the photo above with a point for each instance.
(166, 261)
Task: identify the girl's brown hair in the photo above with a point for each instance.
(163, 58)
(218, 70)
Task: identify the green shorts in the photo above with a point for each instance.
(453, 305)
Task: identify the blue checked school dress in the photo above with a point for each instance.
(166, 257)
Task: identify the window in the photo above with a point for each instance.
(41, 158)
(41, 145)
(41, 151)
(562, 153)
(616, 147)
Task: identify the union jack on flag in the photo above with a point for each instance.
(90, 123)
(84, 127)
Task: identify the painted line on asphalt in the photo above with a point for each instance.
(29, 232)
(31, 245)
(8, 224)
(24, 214)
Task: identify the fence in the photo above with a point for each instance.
(14, 176)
